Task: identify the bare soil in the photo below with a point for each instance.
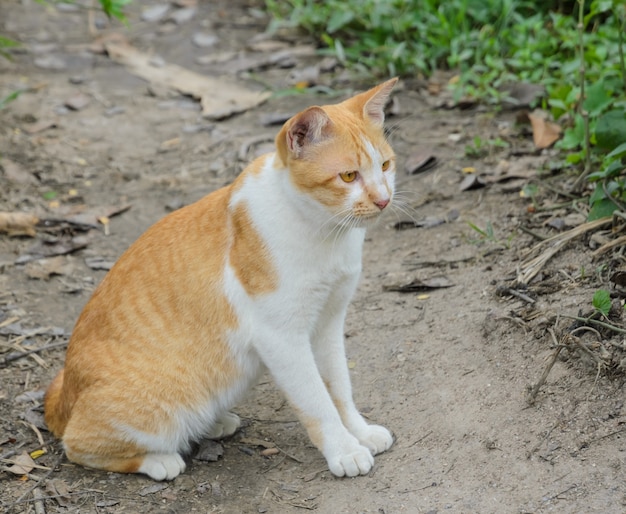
(448, 370)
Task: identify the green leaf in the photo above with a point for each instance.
(9, 98)
(602, 301)
(603, 208)
(598, 99)
(114, 8)
(618, 152)
(573, 136)
(338, 19)
(611, 129)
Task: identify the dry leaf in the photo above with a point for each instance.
(420, 160)
(23, 464)
(472, 181)
(60, 490)
(419, 285)
(545, 133)
(18, 223)
(219, 98)
(43, 269)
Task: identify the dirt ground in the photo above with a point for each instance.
(447, 369)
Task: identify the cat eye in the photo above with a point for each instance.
(385, 165)
(348, 176)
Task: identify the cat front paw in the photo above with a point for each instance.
(376, 438)
(162, 466)
(359, 461)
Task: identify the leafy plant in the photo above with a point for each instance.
(481, 147)
(602, 301)
(488, 234)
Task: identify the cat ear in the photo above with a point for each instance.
(309, 127)
(374, 108)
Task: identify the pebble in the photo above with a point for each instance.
(155, 13)
(50, 62)
(204, 40)
(181, 16)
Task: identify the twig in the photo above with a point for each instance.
(16, 356)
(517, 294)
(40, 507)
(586, 329)
(581, 105)
(536, 235)
(290, 455)
(597, 322)
(595, 381)
(607, 435)
(607, 246)
(42, 444)
(421, 438)
(535, 390)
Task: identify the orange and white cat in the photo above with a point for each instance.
(257, 275)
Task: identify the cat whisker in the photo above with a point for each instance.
(334, 219)
(400, 205)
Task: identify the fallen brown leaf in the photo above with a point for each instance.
(419, 285)
(43, 269)
(545, 133)
(18, 223)
(22, 464)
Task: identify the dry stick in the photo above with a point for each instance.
(581, 105)
(16, 356)
(535, 390)
(42, 444)
(39, 504)
(595, 381)
(608, 246)
(597, 322)
(554, 244)
(517, 294)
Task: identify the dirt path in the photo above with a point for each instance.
(446, 369)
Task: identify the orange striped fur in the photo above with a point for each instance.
(256, 275)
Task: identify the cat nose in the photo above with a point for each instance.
(381, 204)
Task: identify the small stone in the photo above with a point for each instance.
(155, 13)
(204, 40)
(50, 62)
(180, 16)
(77, 102)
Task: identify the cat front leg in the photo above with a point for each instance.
(294, 369)
(329, 351)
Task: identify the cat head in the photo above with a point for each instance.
(338, 155)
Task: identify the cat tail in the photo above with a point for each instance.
(54, 412)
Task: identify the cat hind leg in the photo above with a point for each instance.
(226, 425)
(158, 466)
(93, 438)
